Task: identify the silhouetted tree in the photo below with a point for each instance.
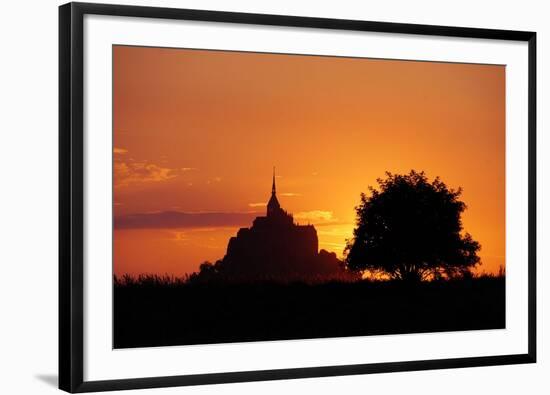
(410, 229)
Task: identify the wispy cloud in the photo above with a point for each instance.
(257, 204)
(214, 180)
(126, 173)
(341, 230)
(315, 216)
(178, 219)
(290, 194)
(180, 236)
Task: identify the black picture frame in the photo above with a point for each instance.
(71, 195)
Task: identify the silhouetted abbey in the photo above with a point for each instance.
(275, 248)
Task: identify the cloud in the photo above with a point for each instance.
(342, 230)
(290, 194)
(213, 180)
(180, 236)
(178, 219)
(257, 204)
(315, 216)
(130, 171)
(331, 245)
(126, 173)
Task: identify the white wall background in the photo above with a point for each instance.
(28, 195)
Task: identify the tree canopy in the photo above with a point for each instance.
(411, 229)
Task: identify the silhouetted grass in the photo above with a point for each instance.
(163, 310)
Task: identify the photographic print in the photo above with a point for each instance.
(263, 196)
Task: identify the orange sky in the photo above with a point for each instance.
(197, 132)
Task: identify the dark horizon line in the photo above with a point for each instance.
(174, 219)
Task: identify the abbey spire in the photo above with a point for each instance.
(273, 190)
(273, 206)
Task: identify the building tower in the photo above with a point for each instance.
(273, 206)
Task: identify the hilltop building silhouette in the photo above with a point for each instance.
(275, 248)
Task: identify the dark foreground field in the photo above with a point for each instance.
(153, 314)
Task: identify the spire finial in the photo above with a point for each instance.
(273, 186)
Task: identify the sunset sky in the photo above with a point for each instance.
(197, 133)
